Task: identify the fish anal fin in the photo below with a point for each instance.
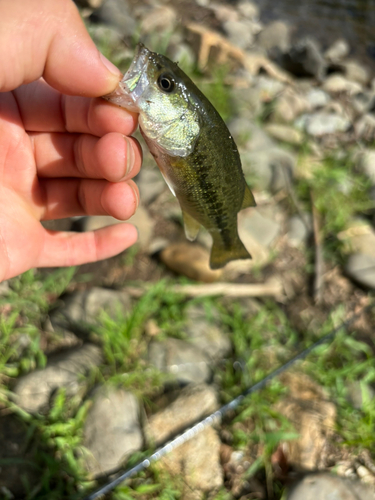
(221, 255)
(191, 226)
(248, 198)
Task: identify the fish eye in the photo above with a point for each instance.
(166, 83)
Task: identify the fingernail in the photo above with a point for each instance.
(136, 194)
(130, 156)
(110, 66)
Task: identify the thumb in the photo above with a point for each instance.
(48, 38)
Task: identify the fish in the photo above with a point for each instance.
(192, 147)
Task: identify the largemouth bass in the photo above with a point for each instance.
(192, 147)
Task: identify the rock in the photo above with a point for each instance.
(250, 136)
(191, 260)
(32, 391)
(327, 486)
(336, 83)
(361, 268)
(150, 184)
(159, 19)
(363, 102)
(276, 35)
(305, 59)
(206, 335)
(359, 237)
(313, 418)
(192, 404)
(183, 53)
(337, 51)
(322, 123)
(82, 308)
(269, 169)
(18, 472)
(240, 33)
(366, 163)
(317, 98)
(284, 133)
(355, 72)
(117, 14)
(186, 362)
(289, 105)
(365, 127)
(248, 10)
(112, 429)
(297, 231)
(197, 460)
(263, 229)
(269, 87)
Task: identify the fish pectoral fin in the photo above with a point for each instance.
(191, 226)
(248, 199)
(221, 255)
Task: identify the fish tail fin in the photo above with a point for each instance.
(220, 255)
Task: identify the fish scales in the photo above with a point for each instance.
(192, 147)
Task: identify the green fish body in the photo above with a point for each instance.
(192, 147)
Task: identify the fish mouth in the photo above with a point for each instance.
(134, 82)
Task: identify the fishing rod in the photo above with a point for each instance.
(217, 416)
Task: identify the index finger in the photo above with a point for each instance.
(44, 109)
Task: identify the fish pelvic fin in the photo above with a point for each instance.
(191, 226)
(248, 199)
(221, 255)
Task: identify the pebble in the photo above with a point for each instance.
(297, 231)
(337, 51)
(112, 429)
(248, 135)
(270, 169)
(289, 105)
(322, 123)
(366, 163)
(336, 83)
(33, 391)
(284, 133)
(239, 33)
(361, 268)
(363, 102)
(275, 35)
(327, 486)
(317, 98)
(160, 19)
(84, 307)
(191, 260)
(356, 72)
(263, 229)
(365, 127)
(183, 360)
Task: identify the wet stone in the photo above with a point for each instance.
(183, 360)
(112, 429)
(32, 392)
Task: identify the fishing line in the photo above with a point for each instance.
(216, 417)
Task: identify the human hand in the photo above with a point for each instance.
(63, 151)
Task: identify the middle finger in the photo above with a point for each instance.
(113, 157)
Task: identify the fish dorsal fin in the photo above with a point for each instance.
(248, 199)
(191, 226)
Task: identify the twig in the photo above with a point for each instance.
(319, 259)
(270, 288)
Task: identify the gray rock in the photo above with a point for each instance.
(361, 268)
(305, 59)
(249, 135)
(317, 98)
(116, 13)
(355, 72)
(239, 33)
(193, 403)
(275, 35)
(270, 169)
(366, 163)
(365, 127)
(18, 471)
(329, 487)
(322, 123)
(284, 133)
(32, 391)
(298, 230)
(206, 335)
(183, 360)
(112, 429)
(337, 83)
(150, 184)
(82, 308)
(263, 229)
(337, 51)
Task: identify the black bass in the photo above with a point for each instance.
(193, 148)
